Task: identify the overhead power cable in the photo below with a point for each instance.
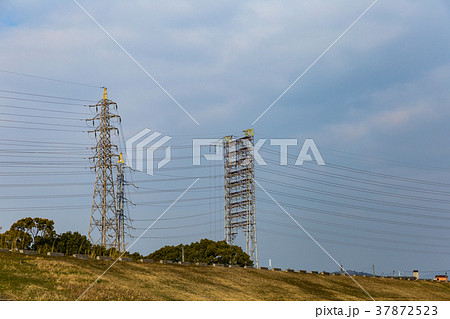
(50, 79)
(355, 198)
(40, 101)
(366, 172)
(359, 189)
(46, 143)
(361, 208)
(353, 244)
(351, 216)
(38, 128)
(366, 181)
(42, 116)
(40, 109)
(39, 123)
(338, 234)
(378, 159)
(175, 227)
(362, 229)
(42, 173)
(48, 96)
(44, 208)
(177, 236)
(175, 218)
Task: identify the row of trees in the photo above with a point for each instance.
(39, 234)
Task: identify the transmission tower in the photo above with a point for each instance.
(120, 204)
(122, 219)
(239, 174)
(104, 219)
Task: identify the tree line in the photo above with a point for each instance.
(39, 234)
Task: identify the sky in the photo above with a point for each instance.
(376, 105)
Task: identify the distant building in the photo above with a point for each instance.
(416, 274)
(441, 278)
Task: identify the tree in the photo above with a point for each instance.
(205, 251)
(3, 241)
(39, 234)
(99, 250)
(17, 239)
(40, 230)
(72, 243)
(167, 253)
(136, 256)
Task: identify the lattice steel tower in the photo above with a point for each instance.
(121, 200)
(239, 174)
(104, 217)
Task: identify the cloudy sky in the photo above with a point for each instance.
(376, 105)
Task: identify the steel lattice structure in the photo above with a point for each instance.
(121, 244)
(239, 174)
(104, 217)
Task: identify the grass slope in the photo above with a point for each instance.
(52, 278)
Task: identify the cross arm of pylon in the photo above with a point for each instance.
(111, 128)
(96, 117)
(99, 117)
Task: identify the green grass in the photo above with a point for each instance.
(55, 278)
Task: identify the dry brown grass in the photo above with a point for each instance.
(53, 278)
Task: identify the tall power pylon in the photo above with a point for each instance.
(104, 217)
(239, 174)
(121, 200)
(120, 204)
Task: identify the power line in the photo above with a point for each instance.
(43, 154)
(390, 161)
(44, 208)
(41, 142)
(362, 208)
(350, 197)
(39, 123)
(151, 203)
(366, 181)
(362, 229)
(352, 244)
(40, 109)
(366, 172)
(322, 231)
(39, 101)
(173, 218)
(176, 236)
(359, 189)
(42, 116)
(350, 216)
(174, 227)
(41, 173)
(48, 96)
(38, 128)
(50, 79)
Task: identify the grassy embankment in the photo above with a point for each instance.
(65, 278)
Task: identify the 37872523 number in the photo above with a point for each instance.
(406, 311)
